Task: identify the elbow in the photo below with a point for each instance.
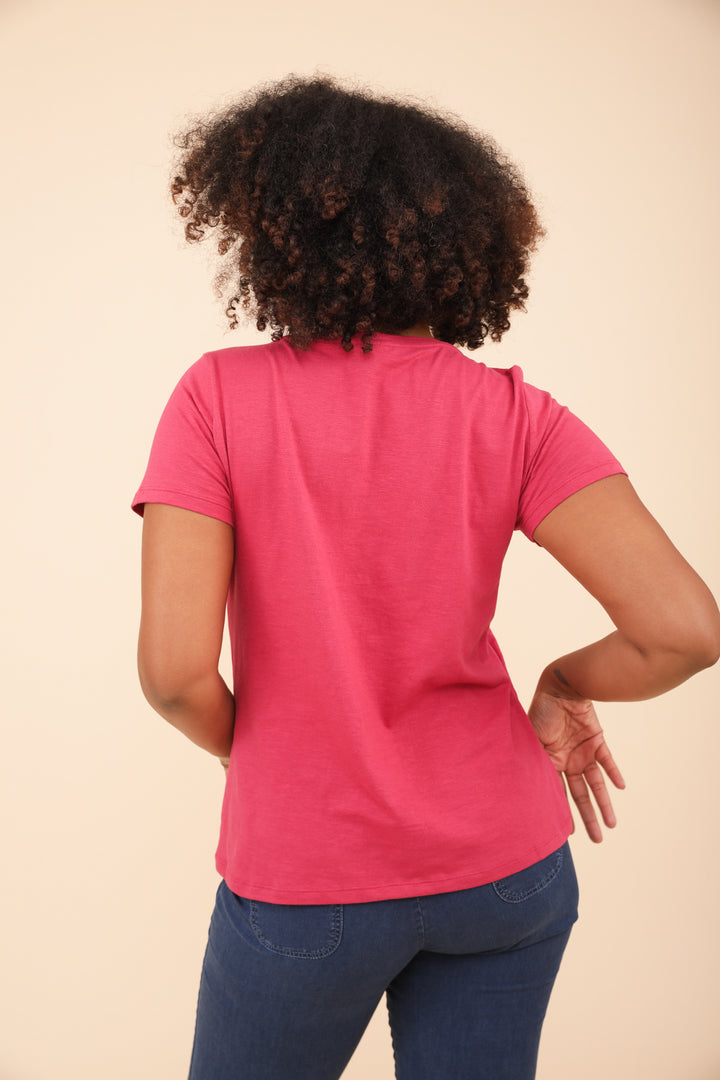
(165, 674)
(169, 690)
(700, 657)
(162, 689)
(707, 650)
(156, 693)
(708, 637)
(682, 647)
(699, 645)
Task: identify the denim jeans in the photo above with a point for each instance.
(287, 991)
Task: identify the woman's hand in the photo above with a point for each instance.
(570, 732)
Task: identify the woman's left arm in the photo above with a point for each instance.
(187, 561)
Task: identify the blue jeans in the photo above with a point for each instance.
(287, 990)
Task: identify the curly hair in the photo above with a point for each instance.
(341, 212)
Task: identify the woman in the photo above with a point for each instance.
(393, 821)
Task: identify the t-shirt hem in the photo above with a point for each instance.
(182, 500)
(393, 891)
(569, 487)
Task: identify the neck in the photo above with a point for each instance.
(420, 329)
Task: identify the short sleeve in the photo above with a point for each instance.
(188, 466)
(562, 455)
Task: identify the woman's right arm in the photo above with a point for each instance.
(667, 629)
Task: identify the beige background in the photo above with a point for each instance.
(109, 818)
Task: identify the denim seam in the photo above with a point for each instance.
(511, 896)
(419, 921)
(301, 954)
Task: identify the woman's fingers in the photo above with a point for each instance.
(596, 780)
(591, 780)
(581, 797)
(603, 755)
(565, 792)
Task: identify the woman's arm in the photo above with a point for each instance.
(667, 629)
(668, 624)
(187, 561)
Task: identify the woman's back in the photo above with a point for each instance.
(380, 750)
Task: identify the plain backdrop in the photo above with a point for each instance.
(109, 817)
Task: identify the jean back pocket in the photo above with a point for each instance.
(519, 887)
(303, 931)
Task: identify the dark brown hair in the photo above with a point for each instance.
(341, 212)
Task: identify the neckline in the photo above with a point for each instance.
(379, 335)
(380, 338)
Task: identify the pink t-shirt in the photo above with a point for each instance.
(380, 749)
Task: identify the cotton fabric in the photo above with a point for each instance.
(380, 750)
